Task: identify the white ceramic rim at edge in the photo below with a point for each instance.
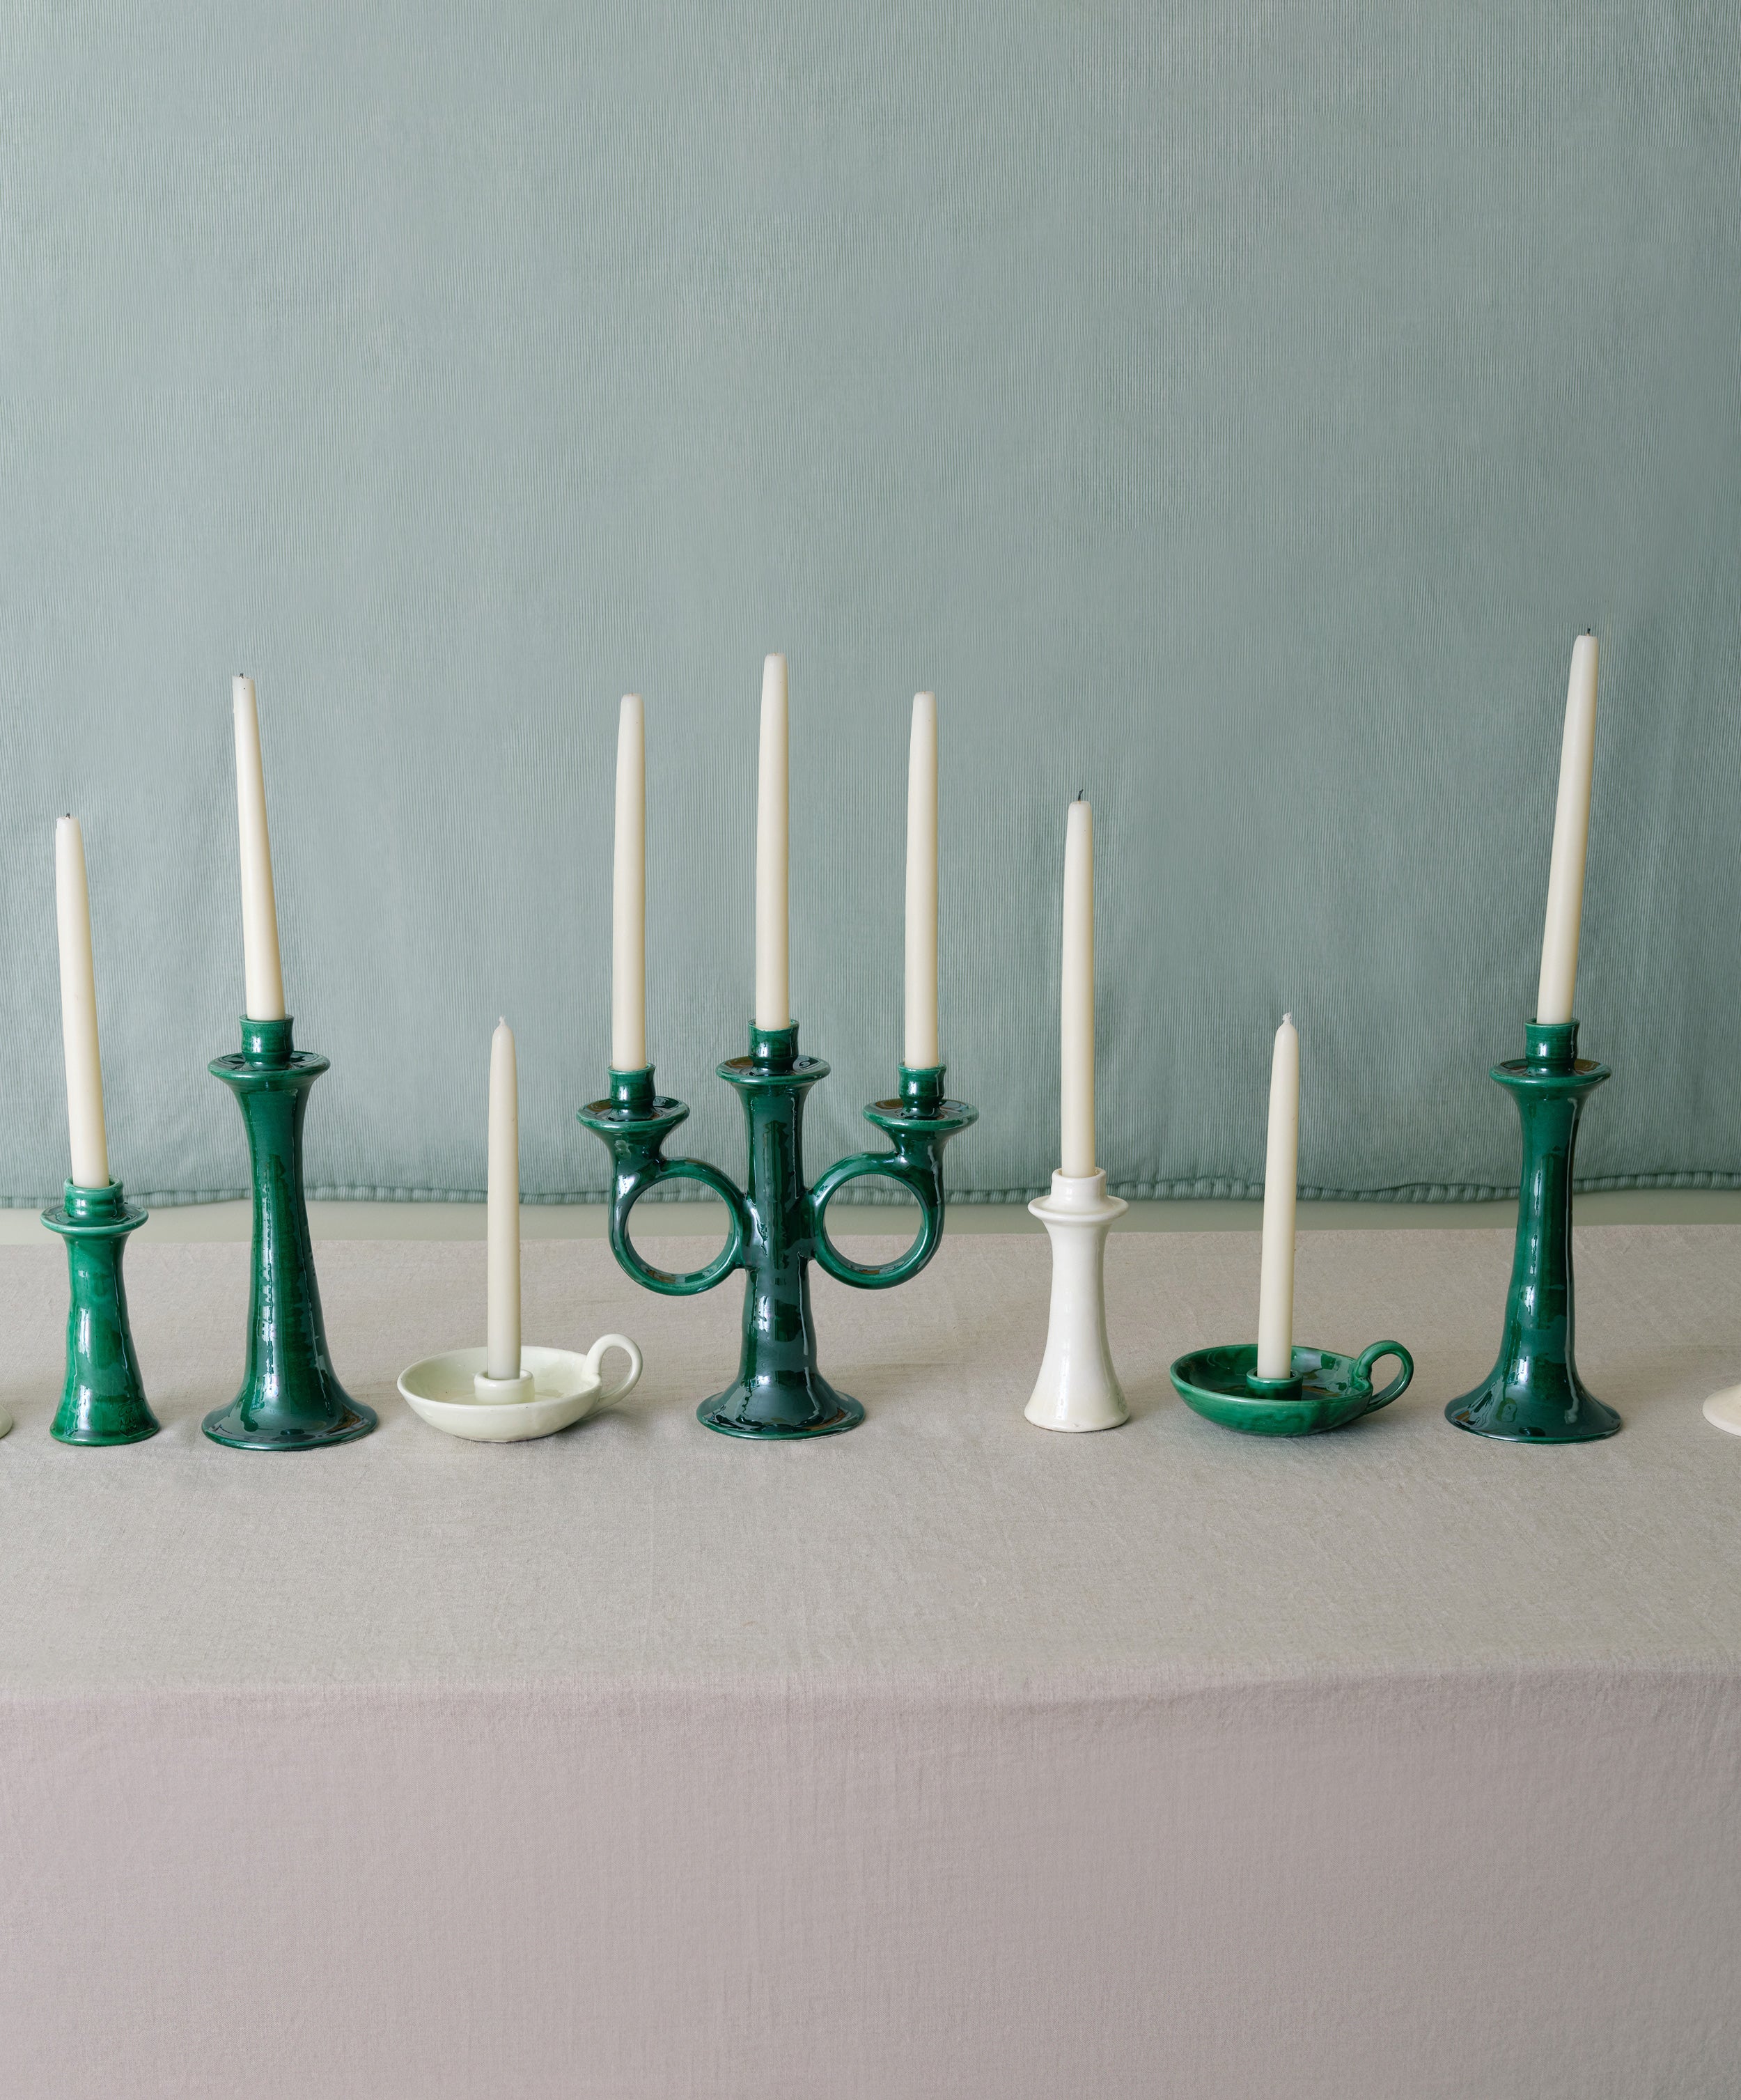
(1722, 1410)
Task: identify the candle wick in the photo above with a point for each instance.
(1287, 1020)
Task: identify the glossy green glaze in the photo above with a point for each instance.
(1533, 1394)
(290, 1400)
(776, 1226)
(104, 1399)
(1326, 1390)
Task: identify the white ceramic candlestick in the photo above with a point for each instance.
(772, 995)
(264, 997)
(1078, 1387)
(628, 895)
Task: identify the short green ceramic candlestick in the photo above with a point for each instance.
(104, 1399)
(1533, 1394)
(290, 1399)
(776, 1227)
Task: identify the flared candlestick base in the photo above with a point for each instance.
(1078, 1387)
(773, 1404)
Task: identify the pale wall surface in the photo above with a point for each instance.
(1232, 412)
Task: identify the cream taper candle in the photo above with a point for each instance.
(264, 995)
(1076, 1003)
(628, 895)
(920, 1035)
(502, 1335)
(78, 1010)
(773, 990)
(1571, 834)
(1281, 1178)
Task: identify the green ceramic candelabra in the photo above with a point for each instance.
(104, 1399)
(290, 1399)
(776, 1225)
(1533, 1394)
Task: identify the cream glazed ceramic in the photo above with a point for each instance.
(1722, 1410)
(555, 1387)
(1078, 1387)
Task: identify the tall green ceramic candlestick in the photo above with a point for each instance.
(777, 1226)
(104, 1399)
(290, 1399)
(1533, 1394)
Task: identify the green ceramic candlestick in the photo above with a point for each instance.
(1534, 1394)
(777, 1226)
(290, 1399)
(104, 1399)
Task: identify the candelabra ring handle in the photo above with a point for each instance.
(679, 1283)
(921, 1182)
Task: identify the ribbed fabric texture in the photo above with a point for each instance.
(1234, 413)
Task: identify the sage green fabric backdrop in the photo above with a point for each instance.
(1232, 411)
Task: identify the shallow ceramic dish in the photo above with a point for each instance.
(1326, 1390)
(565, 1387)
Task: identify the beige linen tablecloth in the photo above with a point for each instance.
(946, 1758)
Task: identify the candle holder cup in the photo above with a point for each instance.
(1533, 1394)
(290, 1399)
(104, 1399)
(776, 1225)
